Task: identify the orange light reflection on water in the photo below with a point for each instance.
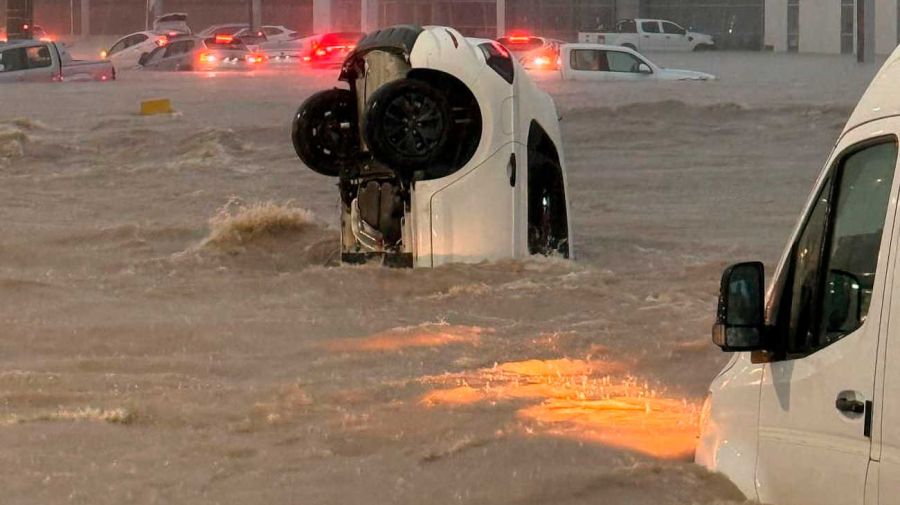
(586, 400)
(424, 335)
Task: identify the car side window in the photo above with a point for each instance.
(178, 48)
(650, 26)
(622, 62)
(270, 31)
(136, 39)
(673, 29)
(827, 286)
(591, 60)
(38, 57)
(118, 46)
(13, 60)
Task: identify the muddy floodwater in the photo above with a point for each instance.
(174, 329)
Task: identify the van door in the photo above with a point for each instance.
(826, 308)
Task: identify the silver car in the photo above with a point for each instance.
(222, 52)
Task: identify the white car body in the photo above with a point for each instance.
(598, 62)
(650, 35)
(127, 51)
(39, 61)
(479, 211)
(794, 423)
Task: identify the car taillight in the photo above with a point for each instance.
(541, 61)
(224, 39)
(518, 39)
(321, 52)
(161, 42)
(256, 58)
(208, 58)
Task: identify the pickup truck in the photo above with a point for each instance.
(42, 61)
(650, 35)
(596, 62)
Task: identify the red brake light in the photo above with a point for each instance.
(162, 41)
(224, 39)
(321, 52)
(256, 58)
(208, 58)
(519, 39)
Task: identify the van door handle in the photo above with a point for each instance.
(847, 402)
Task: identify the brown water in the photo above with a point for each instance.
(173, 328)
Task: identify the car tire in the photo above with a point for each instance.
(407, 125)
(325, 132)
(548, 228)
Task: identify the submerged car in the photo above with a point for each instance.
(598, 62)
(128, 50)
(537, 53)
(444, 150)
(330, 49)
(222, 52)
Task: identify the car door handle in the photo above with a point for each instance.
(850, 405)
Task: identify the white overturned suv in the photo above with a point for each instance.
(444, 149)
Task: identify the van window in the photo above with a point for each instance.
(826, 289)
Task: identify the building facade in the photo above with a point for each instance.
(828, 26)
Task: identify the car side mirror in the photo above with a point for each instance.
(740, 318)
(643, 68)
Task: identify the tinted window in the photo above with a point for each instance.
(180, 47)
(135, 39)
(626, 26)
(622, 62)
(38, 57)
(673, 28)
(13, 59)
(270, 31)
(650, 26)
(827, 286)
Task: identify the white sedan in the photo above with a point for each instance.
(599, 62)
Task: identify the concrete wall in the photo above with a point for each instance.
(628, 9)
(885, 26)
(820, 26)
(776, 25)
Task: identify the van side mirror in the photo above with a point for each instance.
(643, 68)
(740, 318)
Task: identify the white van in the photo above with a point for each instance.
(807, 412)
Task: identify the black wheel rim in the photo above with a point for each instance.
(413, 124)
(332, 134)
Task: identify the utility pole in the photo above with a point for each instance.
(501, 18)
(85, 18)
(255, 14)
(321, 16)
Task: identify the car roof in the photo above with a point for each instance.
(12, 44)
(881, 99)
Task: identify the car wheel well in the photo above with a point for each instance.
(630, 46)
(548, 228)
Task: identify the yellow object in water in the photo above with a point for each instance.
(158, 106)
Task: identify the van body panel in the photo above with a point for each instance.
(730, 418)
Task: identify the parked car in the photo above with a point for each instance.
(444, 150)
(650, 35)
(330, 49)
(269, 33)
(807, 411)
(294, 48)
(222, 52)
(36, 61)
(127, 51)
(596, 62)
(533, 52)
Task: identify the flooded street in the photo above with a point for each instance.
(174, 327)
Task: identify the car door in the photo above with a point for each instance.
(826, 310)
(40, 64)
(675, 37)
(652, 38)
(177, 56)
